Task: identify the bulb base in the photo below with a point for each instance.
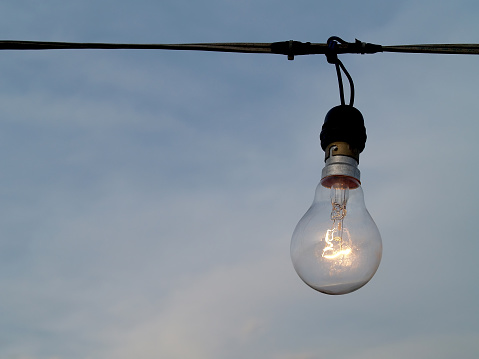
(341, 149)
(341, 166)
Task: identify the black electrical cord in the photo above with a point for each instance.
(290, 48)
(331, 49)
(217, 47)
(332, 57)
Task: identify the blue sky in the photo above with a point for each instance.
(148, 197)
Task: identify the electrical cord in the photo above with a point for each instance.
(216, 47)
(290, 48)
(332, 57)
(331, 49)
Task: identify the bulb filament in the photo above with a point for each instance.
(336, 247)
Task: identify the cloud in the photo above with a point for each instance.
(219, 313)
(441, 346)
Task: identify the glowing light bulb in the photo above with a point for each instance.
(336, 247)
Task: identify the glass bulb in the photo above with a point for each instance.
(336, 247)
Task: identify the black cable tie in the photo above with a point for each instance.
(291, 48)
(362, 48)
(343, 47)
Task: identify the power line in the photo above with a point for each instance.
(220, 47)
(290, 48)
(458, 49)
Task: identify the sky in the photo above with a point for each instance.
(148, 197)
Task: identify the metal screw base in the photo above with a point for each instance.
(341, 166)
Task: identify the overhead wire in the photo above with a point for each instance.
(290, 48)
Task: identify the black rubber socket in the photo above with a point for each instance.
(344, 124)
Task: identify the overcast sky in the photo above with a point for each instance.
(148, 197)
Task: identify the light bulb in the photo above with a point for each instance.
(336, 247)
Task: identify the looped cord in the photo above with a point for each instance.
(331, 53)
(332, 57)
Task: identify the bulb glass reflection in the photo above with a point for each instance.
(336, 247)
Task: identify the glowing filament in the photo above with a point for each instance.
(334, 246)
(336, 243)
